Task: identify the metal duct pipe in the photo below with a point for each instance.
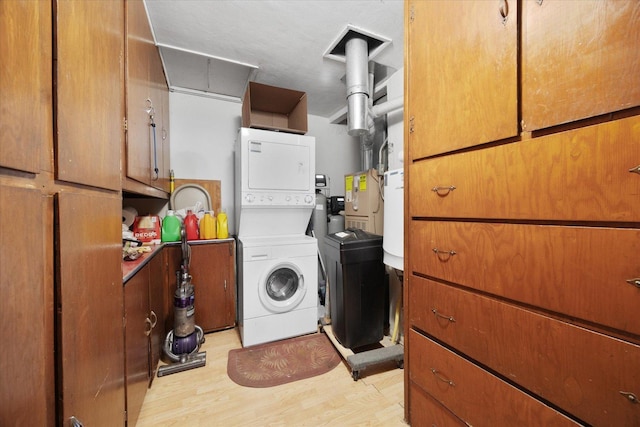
(357, 58)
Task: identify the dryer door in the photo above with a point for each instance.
(283, 288)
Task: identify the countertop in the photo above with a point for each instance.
(130, 268)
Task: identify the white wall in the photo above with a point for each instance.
(203, 132)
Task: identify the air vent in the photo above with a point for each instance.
(203, 73)
(375, 43)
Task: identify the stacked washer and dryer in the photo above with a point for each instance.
(277, 261)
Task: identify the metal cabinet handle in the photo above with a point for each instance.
(635, 282)
(635, 170)
(148, 328)
(225, 284)
(504, 11)
(448, 254)
(442, 316)
(74, 422)
(443, 191)
(154, 318)
(441, 378)
(632, 397)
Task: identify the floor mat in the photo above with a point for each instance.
(281, 362)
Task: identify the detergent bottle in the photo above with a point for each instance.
(170, 228)
(208, 226)
(223, 228)
(191, 225)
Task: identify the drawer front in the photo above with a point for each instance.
(552, 267)
(578, 175)
(544, 355)
(426, 411)
(474, 395)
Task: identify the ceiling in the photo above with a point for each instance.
(213, 47)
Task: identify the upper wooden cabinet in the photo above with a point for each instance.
(466, 89)
(25, 84)
(89, 92)
(147, 107)
(591, 45)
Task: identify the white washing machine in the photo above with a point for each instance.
(277, 287)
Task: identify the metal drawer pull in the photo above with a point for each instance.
(441, 378)
(504, 11)
(635, 170)
(443, 191)
(440, 251)
(635, 282)
(449, 318)
(632, 397)
(154, 318)
(147, 331)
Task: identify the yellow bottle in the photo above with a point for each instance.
(208, 226)
(223, 228)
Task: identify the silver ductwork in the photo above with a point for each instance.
(357, 59)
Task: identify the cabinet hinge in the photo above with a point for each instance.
(412, 13)
(411, 124)
(230, 249)
(125, 125)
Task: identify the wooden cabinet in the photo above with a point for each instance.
(61, 281)
(27, 375)
(138, 328)
(579, 60)
(462, 63)
(214, 278)
(521, 272)
(157, 285)
(90, 307)
(146, 154)
(144, 332)
(26, 85)
(213, 272)
(26, 300)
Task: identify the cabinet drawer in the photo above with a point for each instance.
(542, 354)
(578, 175)
(474, 395)
(552, 267)
(426, 411)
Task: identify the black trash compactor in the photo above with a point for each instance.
(357, 287)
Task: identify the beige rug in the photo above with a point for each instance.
(281, 362)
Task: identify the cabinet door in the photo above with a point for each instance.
(137, 331)
(25, 83)
(90, 308)
(462, 88)
(157, 284)
(89, 91)
(159, 96)
(212, 272)
(26, 308)
(580, 59)
(139, 48)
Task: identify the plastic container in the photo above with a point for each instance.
(208, 226)
(357, 287)
(191, 225)
(223, 227)
(170, 228)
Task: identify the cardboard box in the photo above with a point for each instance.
(274, 108)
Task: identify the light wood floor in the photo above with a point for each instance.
(207, 397)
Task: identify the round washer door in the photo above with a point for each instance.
(282, 288)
